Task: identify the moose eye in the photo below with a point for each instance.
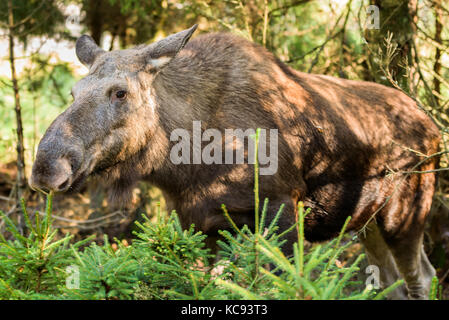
(120, 94)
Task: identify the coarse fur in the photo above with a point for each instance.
(344, 146)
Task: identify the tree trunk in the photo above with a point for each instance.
(438, 39)
(95, 20)
(397, 17)
(21, 179)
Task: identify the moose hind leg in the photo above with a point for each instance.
(379, 255)
(414, 265)
(404, 232)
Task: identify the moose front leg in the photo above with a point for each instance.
(286, 220)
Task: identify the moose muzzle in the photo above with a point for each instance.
(55, 167)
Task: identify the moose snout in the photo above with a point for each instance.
(51, 176)
(54, 169)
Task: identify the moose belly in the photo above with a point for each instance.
(331, 204)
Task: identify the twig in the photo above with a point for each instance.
(245, 17)
(288, 6)
(439, 5)
(119, 212)
(14, 209)
(31, 15)
(444, 276)
(320, 47)
(315, 60)
(83, 227)
(265, 23)
(5, 198)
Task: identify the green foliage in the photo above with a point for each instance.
(34, 17)
(307, 275)
(166, 262)
(32, 265)
(436, 290)
(105, 273)
(45, 92)
(173, 262)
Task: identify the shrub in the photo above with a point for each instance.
(166, 262)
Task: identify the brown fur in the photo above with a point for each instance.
(338, 139)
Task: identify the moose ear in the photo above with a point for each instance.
(159, 54)
(87, 50)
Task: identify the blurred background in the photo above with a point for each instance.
(399, 43)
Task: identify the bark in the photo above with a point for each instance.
(21, 178)
(438, 39)
(397, 17)
(95, 19)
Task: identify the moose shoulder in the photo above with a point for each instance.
(343, 147)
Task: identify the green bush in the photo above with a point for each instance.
(166, 262)
(33, 266)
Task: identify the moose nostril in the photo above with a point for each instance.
(64, 185)
(55, 167)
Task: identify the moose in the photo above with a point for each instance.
(345, 148)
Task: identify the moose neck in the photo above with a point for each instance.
(181, 99)
(185, 93)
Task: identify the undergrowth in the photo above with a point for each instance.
(166, 262)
